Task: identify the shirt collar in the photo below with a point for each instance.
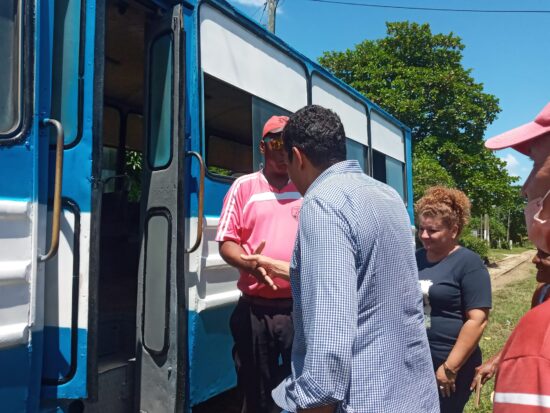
(261, 173)
(351, 166)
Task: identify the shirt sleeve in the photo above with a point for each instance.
(328, 287)
(476, 288)
(229, 225)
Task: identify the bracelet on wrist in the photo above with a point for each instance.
(448, 370)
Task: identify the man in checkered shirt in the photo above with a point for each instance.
(360, 343)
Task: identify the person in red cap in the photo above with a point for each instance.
(260, 214)
(522, 367)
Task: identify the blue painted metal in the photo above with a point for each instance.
(20, 166)
(409, 174)
(77, 185)
(211, 368)
(57, 342)
(17, 186)
(16, 379)
(57, 345)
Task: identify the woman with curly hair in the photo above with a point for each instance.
(457, 293)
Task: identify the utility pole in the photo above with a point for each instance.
(271, 11)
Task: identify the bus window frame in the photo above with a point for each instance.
(74, 141)
(255, 139)
(26, 109)
(267, 37)
(352, 94)
(148, 131)
(406, 160)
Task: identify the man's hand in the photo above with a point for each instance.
(258, 271)
(269, 267)
(486, 371)
(231, 252)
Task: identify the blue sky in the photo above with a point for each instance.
(508, 53)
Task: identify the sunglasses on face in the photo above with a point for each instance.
(274, 143)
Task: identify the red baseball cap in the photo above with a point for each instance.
(275, 124)
(520, 137)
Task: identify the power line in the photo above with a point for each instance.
(257, 11)
(384, 6)
(263, 11)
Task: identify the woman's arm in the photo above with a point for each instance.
(468, 338)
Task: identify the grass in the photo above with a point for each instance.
(496, 254)
(509, 304)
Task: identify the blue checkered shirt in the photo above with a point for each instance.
(360, 340)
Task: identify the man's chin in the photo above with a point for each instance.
(543, 277)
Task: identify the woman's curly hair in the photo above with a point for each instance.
(451, 205)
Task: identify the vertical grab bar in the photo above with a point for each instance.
(200, 213)
(56, 227)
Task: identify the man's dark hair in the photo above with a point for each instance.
(318, 133)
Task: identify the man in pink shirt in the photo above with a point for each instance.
(260, 214)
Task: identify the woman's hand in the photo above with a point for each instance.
(445, 381)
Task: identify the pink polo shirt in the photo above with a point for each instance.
(254, 211)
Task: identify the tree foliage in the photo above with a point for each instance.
(428, 172)
(418, 76)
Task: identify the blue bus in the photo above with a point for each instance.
(122, 125)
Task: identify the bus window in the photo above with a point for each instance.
(10, 71)
(395, 171)
(234, 122)
(357, 151)
(111, 137)
(65, 71)
(134, 132)
(160, 128)
(390, 171)
(134, 155)
(261, 112)
(228, 128)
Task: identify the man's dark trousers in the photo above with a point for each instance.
(262, 332)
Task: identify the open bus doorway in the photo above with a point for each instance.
(122, 154)
(141, 317)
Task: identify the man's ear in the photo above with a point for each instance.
(262, 147)
(299, 156)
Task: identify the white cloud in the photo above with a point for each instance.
(511, 161)
(516, 165)
(253, 3)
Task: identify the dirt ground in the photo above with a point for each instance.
(512, 268)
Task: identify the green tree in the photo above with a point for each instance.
(428, 172)
(418, 76)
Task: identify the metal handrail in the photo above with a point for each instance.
(56, 217)
(200, 213)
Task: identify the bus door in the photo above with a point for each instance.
(45, 200)
(23, 182)
(161, 309)
(68, 41)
